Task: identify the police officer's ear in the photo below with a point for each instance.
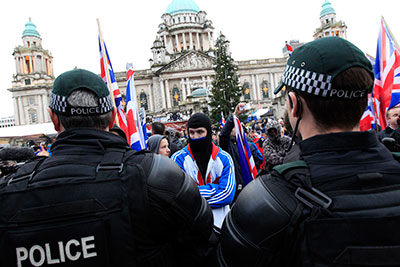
(114, 113)
(56, 121)
(295, 104)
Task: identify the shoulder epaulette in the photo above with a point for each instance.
(396, 155)
(290, 165)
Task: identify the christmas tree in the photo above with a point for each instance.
(226, 90)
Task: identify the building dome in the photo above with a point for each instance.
(327, 9)
(199, 92)
(182, 6)
(30, 29)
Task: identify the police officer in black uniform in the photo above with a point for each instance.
(339, 205)
(96, 202)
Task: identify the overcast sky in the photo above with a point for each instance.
(257, 29)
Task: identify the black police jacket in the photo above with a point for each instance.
(256, 232)
(96, 202)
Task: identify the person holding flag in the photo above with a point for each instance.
(233, 140)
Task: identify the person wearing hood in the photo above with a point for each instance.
(158, 144)
(275, 146)
(209, 166)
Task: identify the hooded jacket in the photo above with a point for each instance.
(154, 141)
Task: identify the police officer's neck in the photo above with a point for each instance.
(309, 128)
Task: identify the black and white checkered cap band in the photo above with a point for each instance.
(60, 105)
(307, 81)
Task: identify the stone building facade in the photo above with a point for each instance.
(181, 68)
(181, 72)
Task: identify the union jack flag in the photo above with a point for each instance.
(249, 170)
(137, 136)
(387, 75)
(368, 119)
(222, 120)
(109, 78)
(289, 48)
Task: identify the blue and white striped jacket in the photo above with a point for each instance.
(220, 186)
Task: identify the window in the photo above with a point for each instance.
(176, 95)
(246, 90)
(27, 81)
(34, 43)
(265, 89)
(31, 100)
(32, 116)
(143, 101)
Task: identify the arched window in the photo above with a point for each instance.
(246, 90)
(265, 89)
(143, 101)
(32, 116)
(176, 95)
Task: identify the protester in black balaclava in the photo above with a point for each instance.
(200, 141)
(209, 166)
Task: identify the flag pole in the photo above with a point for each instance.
(105, 60)
(391, 34)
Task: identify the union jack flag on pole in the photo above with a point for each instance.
(387, 74)
(107, 74)
(249, 170)
(368, 120)
(137, 136)
(289, 48)
(222, 120)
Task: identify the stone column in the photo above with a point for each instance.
(184, 41)
(190, 40)
(208, 84)
(212, 40)
(16, 111)
(21, 111)
(162, 94)
(40, 110)
(188, 89)
(151, 95)
(165, 40)
(198, 41)
(204, 82)
(46, 115)
(209, 40)
(272, 85)
(253, 84)
(275, 79)
(17, 65)
(177, 42)
(21, 65)
(30, 64)
(183, 89)
(168, 94)
(258, 87)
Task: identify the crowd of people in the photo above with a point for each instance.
(326, 194)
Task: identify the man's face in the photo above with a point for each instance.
(195, 133)
(393, 116)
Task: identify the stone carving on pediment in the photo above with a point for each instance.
(191, 62)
